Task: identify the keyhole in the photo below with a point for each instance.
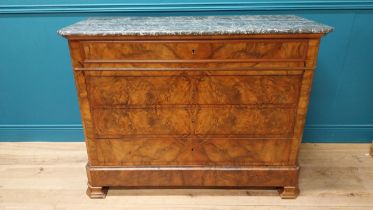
(193, 51)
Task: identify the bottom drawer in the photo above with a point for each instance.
(192, 152)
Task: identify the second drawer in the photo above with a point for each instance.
(187, 89)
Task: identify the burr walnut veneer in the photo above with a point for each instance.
(193, 111)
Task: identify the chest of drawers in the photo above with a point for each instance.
(215, 102)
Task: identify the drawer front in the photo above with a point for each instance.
(192, 121)
(192, 152)
(195, 50)
(188, 89)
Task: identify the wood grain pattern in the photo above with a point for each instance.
(194, 111)
(179, 50)
(192, 64)
(84, 103)
(198, 89)
(185, 151)
(304, 98)
(195, 177)
(194, 120)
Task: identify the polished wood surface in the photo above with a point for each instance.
(191, 50)
(185, 88)
(192, 152)
(51, 176)
(193, 111)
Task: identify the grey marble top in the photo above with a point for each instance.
(194, 25)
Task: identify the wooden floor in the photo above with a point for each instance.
(39, 176)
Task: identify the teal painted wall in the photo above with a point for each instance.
(37, 93)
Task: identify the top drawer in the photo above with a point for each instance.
(271, 49)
